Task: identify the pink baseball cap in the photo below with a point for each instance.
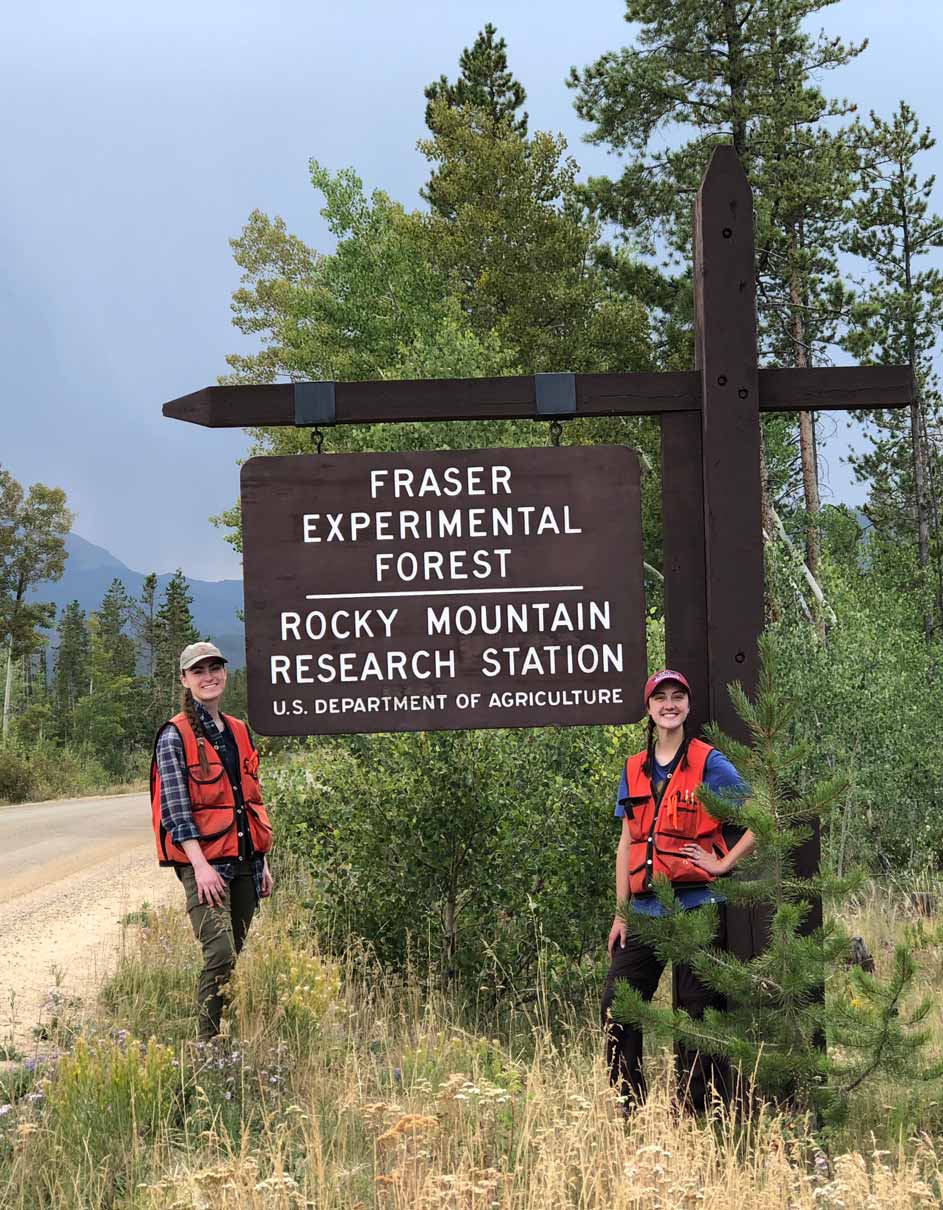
(666, 674)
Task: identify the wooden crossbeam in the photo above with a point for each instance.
(837, 388)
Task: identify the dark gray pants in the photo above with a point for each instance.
(698, 1074)
(221, 932)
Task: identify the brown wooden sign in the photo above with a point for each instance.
(431, 591)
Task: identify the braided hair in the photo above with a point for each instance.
(189, 710)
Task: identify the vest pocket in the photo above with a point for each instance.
(251, 787)
(210, 789)
(674, 863)
(677, 818)
(213, 822)
(260, 828)
(639, 869)
(636, 814)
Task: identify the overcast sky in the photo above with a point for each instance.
(137, 139)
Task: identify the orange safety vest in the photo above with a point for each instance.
(212, 799)
(658, 834)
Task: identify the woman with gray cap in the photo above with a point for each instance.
(210, 823)
(667, 831)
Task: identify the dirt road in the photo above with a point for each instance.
(69, 872)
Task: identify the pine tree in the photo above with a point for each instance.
(72, 672)
(735, 71)
(147, 625)
(777, 1016)
(898, 317)
(109, 716)
(113, 649)
(175, 631)
(148, 637)
(486, 84)
(485, 97)
(804, 181)
(516, 248)
(714, 71)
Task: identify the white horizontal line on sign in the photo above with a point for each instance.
(437, 592)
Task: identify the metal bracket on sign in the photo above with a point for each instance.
(315, 405)
(556, 397)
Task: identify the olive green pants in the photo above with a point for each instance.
(220, 932)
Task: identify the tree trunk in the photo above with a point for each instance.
(810, 489)
(807, 450)
(733, 35)
(917, 444)
(920, 482)
(447, 950)
(919, 459)
(766, 505)
(933, 509)
(8, 690)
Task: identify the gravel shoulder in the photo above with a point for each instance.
(69, 873)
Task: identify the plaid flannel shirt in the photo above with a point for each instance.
(175, 812)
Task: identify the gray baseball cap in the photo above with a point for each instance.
(199, 651)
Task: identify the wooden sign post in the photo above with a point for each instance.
(710, 419)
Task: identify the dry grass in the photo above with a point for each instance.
(350, 1089)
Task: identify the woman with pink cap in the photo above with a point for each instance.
(666, 830)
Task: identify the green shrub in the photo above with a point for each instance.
(864, 696)
(34, 771)
(486, 854)
(93, 1134)
(17, 778)
(108, 1094)
(280, 987)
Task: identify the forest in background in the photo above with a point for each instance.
(84, 692)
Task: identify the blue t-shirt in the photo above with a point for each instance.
(721, 776)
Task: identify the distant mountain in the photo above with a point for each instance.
(89, 570)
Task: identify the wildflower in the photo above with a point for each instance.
(409, 1124)
(4, 1110)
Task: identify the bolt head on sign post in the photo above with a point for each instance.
(433, 591)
